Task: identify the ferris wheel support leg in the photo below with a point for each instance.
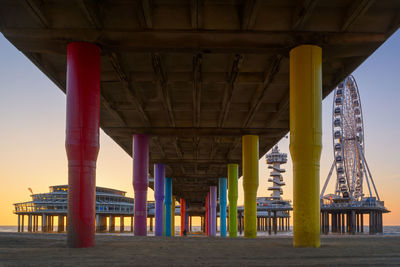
(306, 142)
(327, 180)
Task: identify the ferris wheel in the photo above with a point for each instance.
(348, 144)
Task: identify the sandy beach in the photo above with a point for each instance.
(21, 249)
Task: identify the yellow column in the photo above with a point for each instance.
(173, 216)
(306, 142)
(250, 183)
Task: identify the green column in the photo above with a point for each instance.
(233, 197)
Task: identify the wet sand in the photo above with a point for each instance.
(21, 249)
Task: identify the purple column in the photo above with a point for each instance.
(159, 177)
(213, 210)
(140, 151)
(209, 214)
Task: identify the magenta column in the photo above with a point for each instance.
(159, 178)
(213, 210)
(82, 140)
(140, 151)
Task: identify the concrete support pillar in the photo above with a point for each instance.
(19, 223)
(353, 222)
(44, 223)
(190, 223)
(140, 183)
(131, 223)
(213, 211)
(121, 224)
(250, 159)
(186, 218)
(371, 223)
(362, 222)
(29, 223)
(112, 224)
(101, 223)
(168, 203)
(206, 217)
(183, 216)
(275, 223)
(37, 223)
(173, 216)
(151, 224)
(233, 197)
(49, 223)
(306, 141)
(343, 223)
(269, 223)
(82, 140)
(240, 223)
(32, 223)
(159, 178)
(358, 222)
(222, 203)
(60, 223)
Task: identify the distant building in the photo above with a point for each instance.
(110, 203)
(273, 213)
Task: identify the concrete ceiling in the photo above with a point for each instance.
(197, 75)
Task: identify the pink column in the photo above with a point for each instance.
(140, 151)
(82, 140)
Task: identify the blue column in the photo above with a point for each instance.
(159, 177)
(168, 203)
(222, 203)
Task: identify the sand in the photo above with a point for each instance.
(21, 249)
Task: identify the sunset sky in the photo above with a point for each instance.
(32, 136)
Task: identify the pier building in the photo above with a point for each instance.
(44, 207)
(197, 86)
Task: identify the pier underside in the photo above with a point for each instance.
(197, 75)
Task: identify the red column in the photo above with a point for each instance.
(183, 215)
(82, 140)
